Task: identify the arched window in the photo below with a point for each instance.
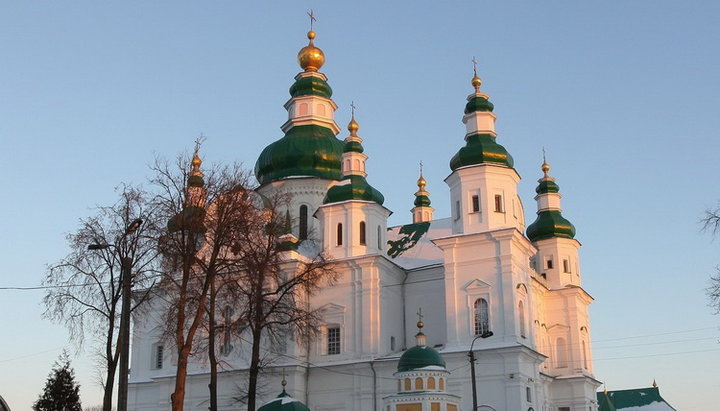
(357, 165)
(431, 383)
(407, 384)
(303, 222)
(521, 318)
(561, 353)
(363, 235)
(482, 320)
(418, 383)
(339, 234)
(303, 109)
(320, 109)
(442, 384)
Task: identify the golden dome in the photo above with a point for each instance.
(421, 183)
(476, 82)
(353, 126)
(196, 163)
(310, 57)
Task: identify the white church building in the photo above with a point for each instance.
(480, 270)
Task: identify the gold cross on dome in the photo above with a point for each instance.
(421, 168)
(312, 18)
(474, 61)
(352, 108)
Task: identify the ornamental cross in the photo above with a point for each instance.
(474, 65)
(420, 314)
(312, 18)
(352, 108)
(544, 161)
(421, 167)
(284, 374)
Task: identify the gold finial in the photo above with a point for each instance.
(476, 82)
(545, 166)
(310, 57)
(196, 162)
(421, 183)
(654, 383)
(353, 126)
(284, 382)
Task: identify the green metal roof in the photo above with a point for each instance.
(480, 149)
(315, 86)
(284, 402)
(410, 235)
(353, 146)
(422, 201)
(308, 150)
(549, 224)
(420, 356)
(354, 187)
(547, 186)
(478, 103)
(637, 399)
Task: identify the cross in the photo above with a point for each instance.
(421, 166)
(474, 65)
(352, 108)
(312, 18)
(544, 161)
(420, 314)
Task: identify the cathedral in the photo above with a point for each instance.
(411, 302)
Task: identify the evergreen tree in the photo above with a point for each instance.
(61, 392)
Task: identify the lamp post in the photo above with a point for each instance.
(126, 289)
(471, 354)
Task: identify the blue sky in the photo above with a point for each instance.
(622, 95)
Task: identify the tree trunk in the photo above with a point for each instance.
(178, 397)
(109, 384)
(211, 348)
(254, 369)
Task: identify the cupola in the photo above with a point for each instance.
(549, 222)
(192, 215)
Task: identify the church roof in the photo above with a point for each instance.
(639, 399)
(284, 402)
(421, 357)
(410, 245)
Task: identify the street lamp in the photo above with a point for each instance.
(125, 278)
(471, 354)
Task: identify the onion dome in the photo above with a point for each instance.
(308, 150)
(193, 214)
(309, 147)
(284, 402)
(549, 222)
(420, 356)
(310, 57)
(422, 197)
(480, 145)
(354, 186)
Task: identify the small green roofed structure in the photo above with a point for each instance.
(420, 356)
(284, 402)
(549, 222)
(639, 399)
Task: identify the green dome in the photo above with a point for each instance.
(420, 356)
(354, 187)
(284, 402)
(315, 86)
(422, 201)
(549, 224)
(547, 186)
(191, 218)
(480, 149)
(478, 103)
(308, 150)
(353, 146)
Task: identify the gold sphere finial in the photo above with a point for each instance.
(545, 166)
(310, 57)
(476, 82)
(353, 126)
(196, 162)
(421, 183)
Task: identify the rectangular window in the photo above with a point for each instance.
(157, 360)
(549, 264)
(564, 409)
(457, 210)
(528, 394)
(498, 203)
(475, 204)
(566, 266)
(333, 340)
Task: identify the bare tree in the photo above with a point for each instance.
(273, 284)
(84, 288)
(204, 210)
(711, 223)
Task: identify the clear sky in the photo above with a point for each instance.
(624, 96)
